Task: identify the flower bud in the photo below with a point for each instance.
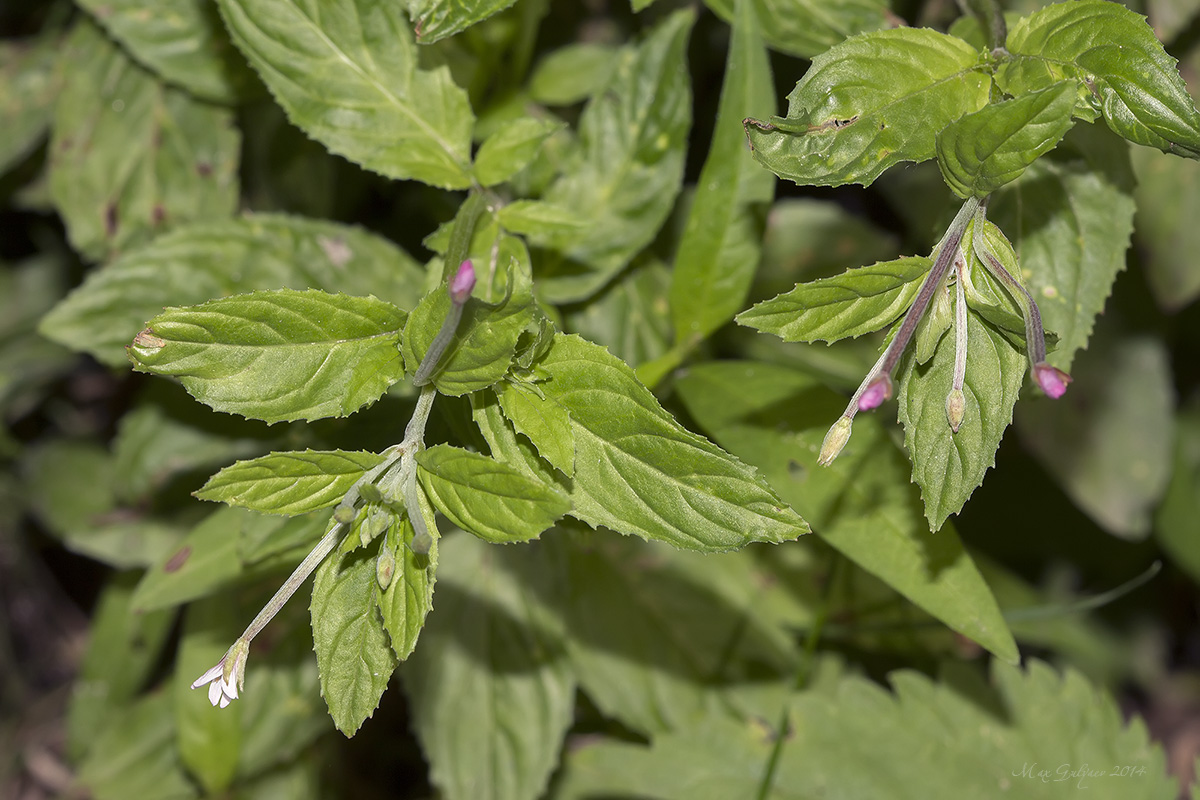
(422, 543)
(835, 440)
(376, 523)
(956, 408)
(876, 392)
(385, 568)
(1052, 379)
(344, 514)
(370, 492)
(463, 283)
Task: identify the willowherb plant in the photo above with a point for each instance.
(559, 184)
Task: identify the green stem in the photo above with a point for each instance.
(803, 675)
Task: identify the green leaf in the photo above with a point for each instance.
(637, 471)
(1168, 203)
(862, 505)
(205, 260)
(1035, 732)
(490, 690)
(434, 20)
(1118, 65)
(511, 147)
(28, 86)
(1108, 442)
(289, 483)
(572, 73)
(631, 315)
(345, 71)
(183, 41)
(123, 648)
(153, 447)
(536, 219)
(207, 558)
(720, 248)
(135, 755)
(130, 157)
(407, 600)
(870, 102)
(486, 338)
(209, 739)
(980, 152)
(658, 635)
(544, 422)
(485, 497)
(805, 28)
(860, 300)
(633, 136)
(949, 466)
(280, 355)
(1175, 521)
(353, 654)
(1070, 217)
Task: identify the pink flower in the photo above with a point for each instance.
(876, 392)
(1052, 379)
(463, 283)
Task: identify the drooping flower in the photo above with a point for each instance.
(226, 679)
(1052, 379)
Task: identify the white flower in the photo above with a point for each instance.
(226, 679)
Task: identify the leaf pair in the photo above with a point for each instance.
(907, 94)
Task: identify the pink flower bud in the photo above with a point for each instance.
(463, 283)
(876, 392)
(1052, 379)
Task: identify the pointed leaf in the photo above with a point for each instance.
(289, 483)
(1032, 733)
(345, 71)
(1118, 65)
(280, 355)
(490, 690)
(544, 422)
(205, 260)
(863, 504)
(633, 137)
(408, 598)
(1070, 217)
(129, 156)
(436, 19)
(858, 301)
(719, 251)
(353, 654)
(183, 41)
(870, 102)
(638, 471)
(511, 147)
(485, 497)
(572, 73)
(980, 152)
(205, 559)
(948, 466)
